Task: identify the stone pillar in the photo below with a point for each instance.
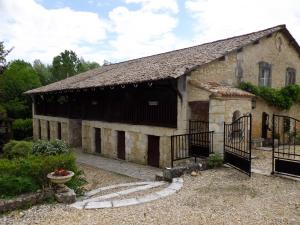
(182, 105)
(35, 126)
(164, 151)
(75, 133)
(53, 130)
(216, 123)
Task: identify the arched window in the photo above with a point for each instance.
(236, 114)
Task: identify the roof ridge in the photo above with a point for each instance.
(282, 26)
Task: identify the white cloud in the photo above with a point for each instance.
(157, 5)
(145, 31)
(36, 32)
(216, 19)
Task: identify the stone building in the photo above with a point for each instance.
(130, 110)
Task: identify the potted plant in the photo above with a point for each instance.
(60, 177)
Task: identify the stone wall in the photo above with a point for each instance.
(221, 110)
(70, 129)
(247, 61)
(136, 140)
(262, 106)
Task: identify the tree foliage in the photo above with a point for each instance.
(66, 64)
(282, 98)
(43, 71)
(16, 79)
(3, 54)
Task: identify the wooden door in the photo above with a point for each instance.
(97, 140)
(59, 131)
(265, 125)
(121, 145)
(153, 150)
(48, 130)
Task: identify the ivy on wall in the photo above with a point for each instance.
(282, 98)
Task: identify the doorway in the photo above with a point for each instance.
(265, 125)
(153, 150)
(59, 131)
(121, 145)
(98, 140)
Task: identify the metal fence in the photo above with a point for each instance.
(286, 145)
(191, 145)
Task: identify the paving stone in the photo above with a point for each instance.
(97, 202)
(96, 191)
(125, 202)
(98, 205)
(103, 197)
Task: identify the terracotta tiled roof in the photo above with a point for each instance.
(156, 67)
(218, 89)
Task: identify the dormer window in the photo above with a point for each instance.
(265, 74)
(290, 77)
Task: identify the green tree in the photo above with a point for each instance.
(16, 79)
(43, 71)
(66, 64)
(87, 65)
(3, 54)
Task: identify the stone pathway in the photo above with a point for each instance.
(146, 173)
(95, 200)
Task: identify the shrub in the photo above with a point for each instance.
(282, 98)
(17, 149)
(13, 185)
(215, 160)
(38, 166)
(50, 148)
(22, 128)
(3, 112)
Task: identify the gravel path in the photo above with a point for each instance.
(101, 178)
(222, 196)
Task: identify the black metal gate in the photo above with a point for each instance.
(286, 145)
(237, 144)
(196, 145)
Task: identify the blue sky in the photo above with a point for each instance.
(116, 30)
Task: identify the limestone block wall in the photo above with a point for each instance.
(182, 106)
(44, 128)
(247, 61)
(136, 140)
(70, 129)
(221, 110)
(268, 50)
(74, 128)
(109, 142)
(53, 130)
(35, 127)
(263, 106)
(136, 147)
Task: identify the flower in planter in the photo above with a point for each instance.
(61, 172)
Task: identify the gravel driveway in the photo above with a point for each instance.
(222, 196)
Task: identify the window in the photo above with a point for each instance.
(265, 76)
(290, 77)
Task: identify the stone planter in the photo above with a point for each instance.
(60, 180)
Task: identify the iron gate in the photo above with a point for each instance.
(237, 144)
(195, 145)
(286, 145)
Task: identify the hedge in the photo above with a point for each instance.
(22, 128)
